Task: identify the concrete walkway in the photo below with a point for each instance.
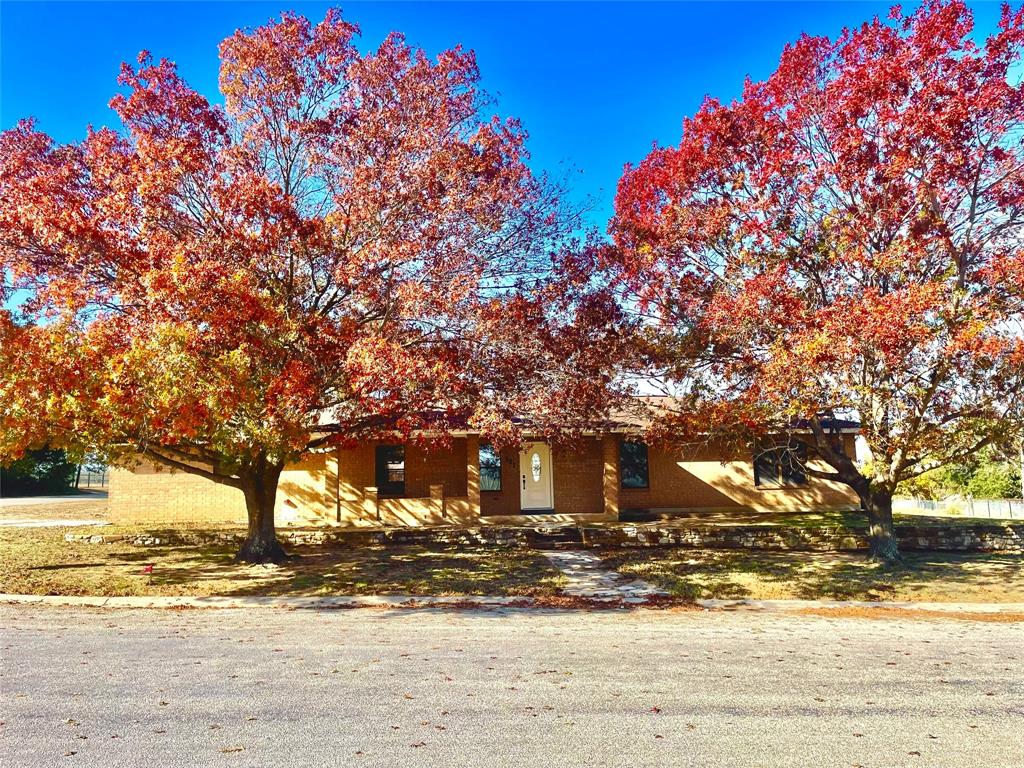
(586, 577)
(57, 522)
(38, 501)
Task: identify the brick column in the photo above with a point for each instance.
(610, 454)
(473, 474)
(437, 500)
(334, 481)
(370, 506)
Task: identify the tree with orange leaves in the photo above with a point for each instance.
(844, 240)
(345, 249)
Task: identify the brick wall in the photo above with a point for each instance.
(148, 495)
(505, 501)
(355, 468)
(424, 466)
(433, 465)
(577, 482)
(324, 485)
(151, 494)
(578, 475)
(701, 479)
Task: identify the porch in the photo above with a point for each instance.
(464, 482)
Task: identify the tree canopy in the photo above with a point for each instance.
(347, 247)
(844, 239)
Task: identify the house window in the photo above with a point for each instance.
(490, 468)
(633, 465)
(390, 470)
(780, 466)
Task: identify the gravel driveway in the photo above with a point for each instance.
(265, 687)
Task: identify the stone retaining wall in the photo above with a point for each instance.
(979, 538)
(953, 538)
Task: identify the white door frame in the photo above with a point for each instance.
(526, 480)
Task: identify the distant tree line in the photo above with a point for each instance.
(40, 472)
(990, 474)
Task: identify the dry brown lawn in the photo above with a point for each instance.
(734, 574)
(38, 561)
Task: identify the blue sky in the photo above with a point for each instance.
(594, 83)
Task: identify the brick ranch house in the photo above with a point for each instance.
(598, 478)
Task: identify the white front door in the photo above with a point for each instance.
(535, 477)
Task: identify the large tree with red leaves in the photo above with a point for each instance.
(845, 239)
(347, 241)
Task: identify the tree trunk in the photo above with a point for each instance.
(883, 545)
(261, 544)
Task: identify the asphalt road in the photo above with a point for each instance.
(265, 687)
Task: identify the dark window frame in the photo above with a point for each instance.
(384, 456)
(775, 467)
(497, 457)
(641, 468)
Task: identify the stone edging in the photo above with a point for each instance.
(481, 601)
(983, 537)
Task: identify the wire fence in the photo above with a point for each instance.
(91, 479)
(1002, 509)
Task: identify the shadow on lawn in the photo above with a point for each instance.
(411, 570)
(729, 574)
(39, 561)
